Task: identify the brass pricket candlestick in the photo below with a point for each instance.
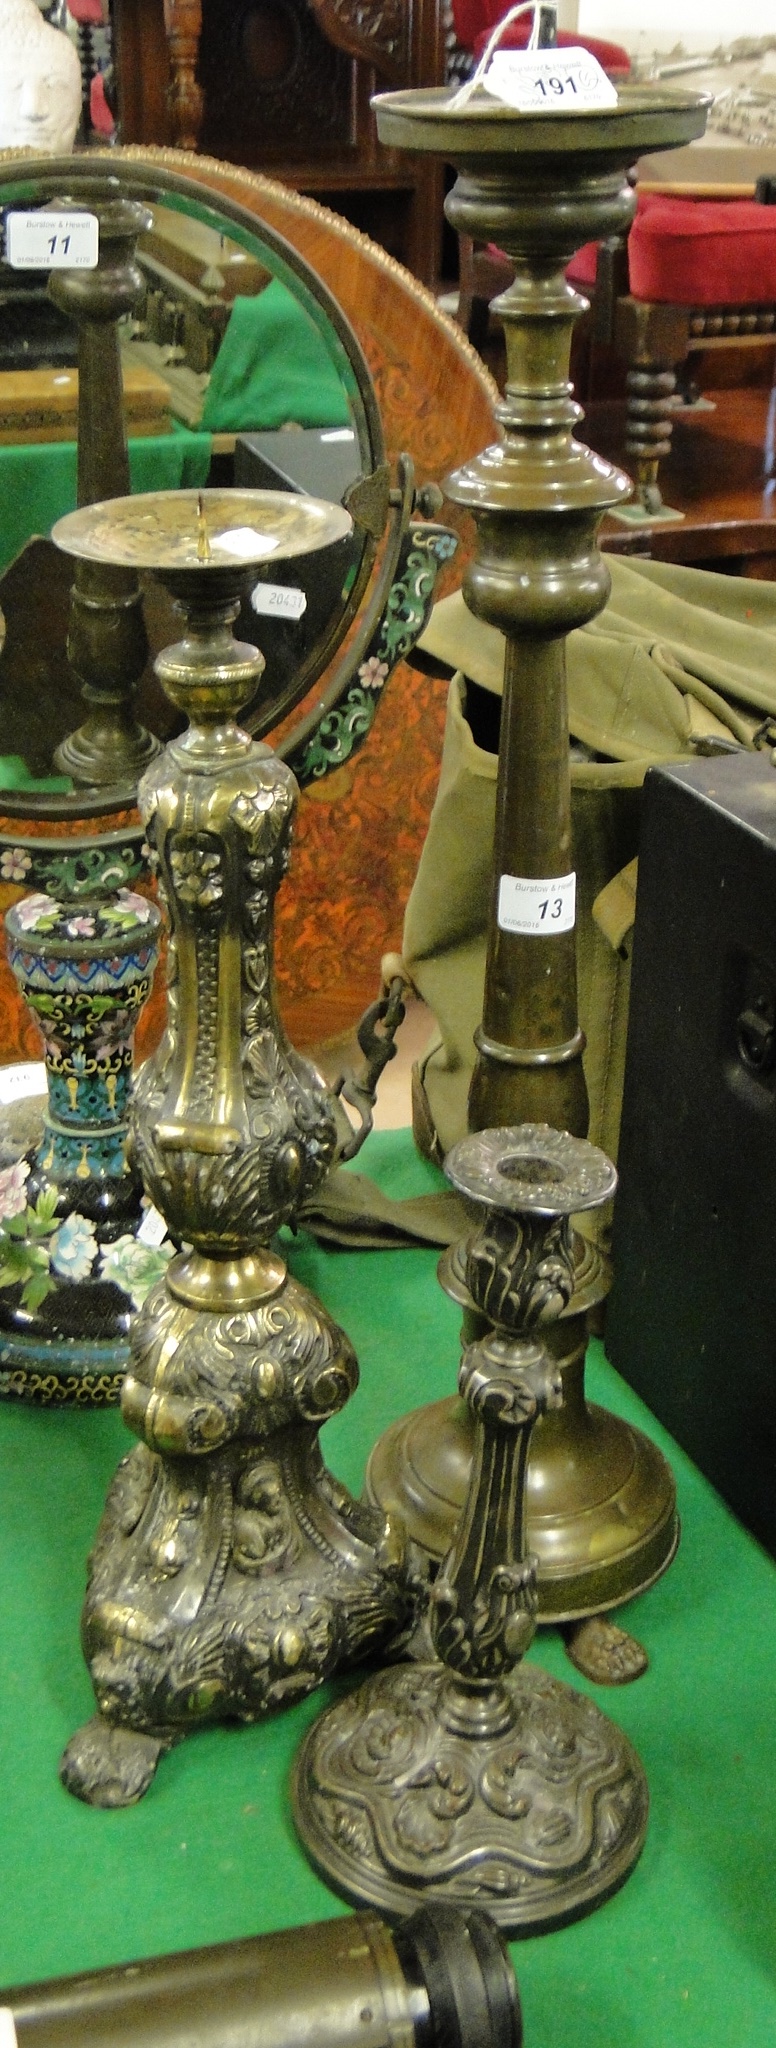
(601, 1498)
(230, 1573)
(107, 643)
(477, 1777)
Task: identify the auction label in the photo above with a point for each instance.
(279, 600)
(153, 1231)
(561, 81)
(537, 909)
(8, 2035)
(51, 241)
(25, 1077)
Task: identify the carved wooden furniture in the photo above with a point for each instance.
(286, 87)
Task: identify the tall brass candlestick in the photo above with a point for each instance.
(107, 642)
(601, 1500)
(230, 1572)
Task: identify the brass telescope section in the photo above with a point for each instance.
(442, 1978)
(601, 1499)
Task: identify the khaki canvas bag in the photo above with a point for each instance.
(680, 661)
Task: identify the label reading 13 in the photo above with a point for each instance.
(537, 909)
(51, 241)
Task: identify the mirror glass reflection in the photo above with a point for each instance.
(237, 368)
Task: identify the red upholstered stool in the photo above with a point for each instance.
(698, 274)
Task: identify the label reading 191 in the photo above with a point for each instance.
(51, 241)
(537, 909)
(561, 81)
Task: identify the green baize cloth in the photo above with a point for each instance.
(273, 366)
(38, 479)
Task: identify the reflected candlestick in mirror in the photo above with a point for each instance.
(200, 530)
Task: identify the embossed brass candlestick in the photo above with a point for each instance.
(230, 1573)
(478, 1777)
(601, 1500)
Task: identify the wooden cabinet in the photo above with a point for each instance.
(284, 86)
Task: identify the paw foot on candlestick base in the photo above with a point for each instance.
(231, 1573)
(603, 1652)
(110, 1766)
(536, 1809)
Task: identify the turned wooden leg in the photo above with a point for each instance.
(183, 25)
(653, 339)
(649, 421)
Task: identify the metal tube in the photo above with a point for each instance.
(443, 1979)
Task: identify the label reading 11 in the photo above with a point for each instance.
(537, 909)
(51, 241)
(560, 81)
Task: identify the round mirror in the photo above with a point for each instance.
(238, 365)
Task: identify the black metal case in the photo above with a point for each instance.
(692, 1316)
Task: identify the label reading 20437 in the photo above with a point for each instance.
(51, 241)
(537, 909)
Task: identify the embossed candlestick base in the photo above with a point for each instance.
(230, 1573)
(601, 1499)
(476, 1778)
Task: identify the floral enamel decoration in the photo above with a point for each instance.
(13, 1189)
(37, 913)
(37, 1249)
(26, 1234)
(373, 672)
(15, 864)
(132, 905)
(74, 1248)
(134, 1266)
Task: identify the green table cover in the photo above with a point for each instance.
(273, 365)
(38, 479)
(683, 1957)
